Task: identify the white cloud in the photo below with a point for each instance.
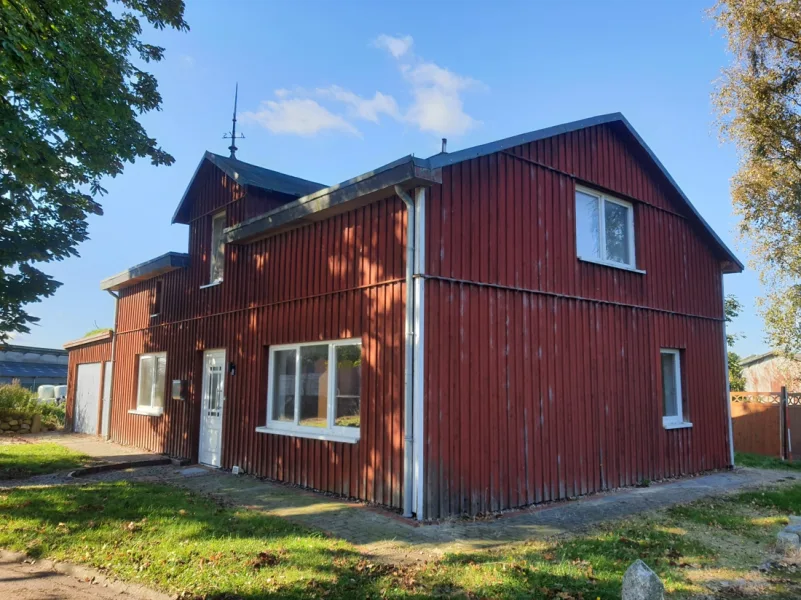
(438, 105)
(363, 108)
(298, 116)
(396, 46)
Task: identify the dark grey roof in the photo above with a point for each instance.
(146, 270)
(32, 349)
(247, 174)
(442, 160)
(25, 369)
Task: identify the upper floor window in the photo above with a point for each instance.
(156, 306)
(217, 260)
(314, 390)
(604, 229)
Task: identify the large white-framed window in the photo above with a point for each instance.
(217, 253)
(604, 229)
(151, 384)
(314, 390)
(673, 415)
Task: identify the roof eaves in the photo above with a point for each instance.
(177, 212)
(407, 171)
(92, 339)
(246, 174)
(151, 268)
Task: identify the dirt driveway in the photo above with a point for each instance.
(41, 581)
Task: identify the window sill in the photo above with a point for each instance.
(326, 437)
(614, 265)
(677, 425)
(212, 284)
(147, 412)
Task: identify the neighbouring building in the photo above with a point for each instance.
(32, 366)
(771, 371)
(533, 319)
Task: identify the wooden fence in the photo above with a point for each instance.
(762, 422)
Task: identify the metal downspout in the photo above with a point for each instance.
(113, 360)
(408, 367)
(728, 386)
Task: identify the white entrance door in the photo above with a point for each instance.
(87, 397)
(211, 413)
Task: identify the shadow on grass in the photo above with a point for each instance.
(186, 544)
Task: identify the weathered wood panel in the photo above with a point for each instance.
(756, 428)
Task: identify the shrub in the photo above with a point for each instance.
(16, 401)
(53, 414)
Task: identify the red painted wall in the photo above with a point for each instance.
(94, 352)
(543, 372)
(339, 278)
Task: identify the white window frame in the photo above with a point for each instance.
(142, 409)
(213, 251)
(603, 260)
(675, 421)
(332, 432)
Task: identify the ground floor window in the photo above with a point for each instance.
(152, 383)
(673, 414)
(314, 390)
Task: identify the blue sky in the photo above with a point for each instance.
(330, 90)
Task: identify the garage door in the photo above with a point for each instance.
(87, 397)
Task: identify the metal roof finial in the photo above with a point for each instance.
(231, 135)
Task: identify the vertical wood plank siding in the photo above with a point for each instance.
(78, 355)
(338, 278)
(543, 372)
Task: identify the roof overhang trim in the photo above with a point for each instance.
(92, 339)
(408, 172)
(146, 270)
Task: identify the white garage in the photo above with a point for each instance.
(87, 398)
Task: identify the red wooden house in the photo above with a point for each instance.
(528, 320)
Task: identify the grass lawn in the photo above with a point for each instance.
(189, 545)
(743, 459)
(18, 461)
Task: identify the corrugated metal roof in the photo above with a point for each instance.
(247, 174)
(24, 369)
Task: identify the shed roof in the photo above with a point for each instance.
(755, 358)
(246, 174)
(103, 336)
(27, 369)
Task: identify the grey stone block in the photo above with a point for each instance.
(641, 583)
(795, 520)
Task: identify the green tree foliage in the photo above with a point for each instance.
(759, 106)
(731, 310)
(72, 87)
